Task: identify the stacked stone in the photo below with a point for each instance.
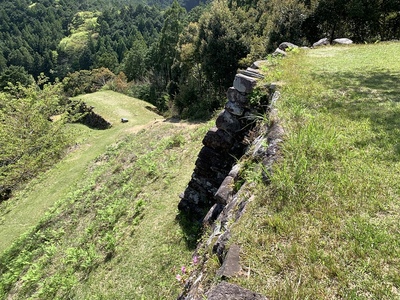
(223, 145)
(89, 118)
(235, 134)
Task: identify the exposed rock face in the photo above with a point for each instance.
(342, 41)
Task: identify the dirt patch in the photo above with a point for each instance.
(160, 122)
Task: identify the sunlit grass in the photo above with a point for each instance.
(28, 206)
(114, 235)
(327, 226)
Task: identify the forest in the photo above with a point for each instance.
(176, 55)
(180, 56)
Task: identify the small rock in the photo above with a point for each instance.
(253, 70)
(279, 52)
(212, 214)
(260, 147)
(235, 171)
(257, 64)
(249, 72)
(220, 244)
(123, 120)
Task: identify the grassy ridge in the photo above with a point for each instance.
(327, 227)
(113, 235)
(29, 205)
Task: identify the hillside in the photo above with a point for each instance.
(29, 207)
(103, 222)
(119, 188)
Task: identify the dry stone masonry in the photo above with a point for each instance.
(224, 145)
(216, 194)
(87, 116)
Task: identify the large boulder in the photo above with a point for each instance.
(286, 45)
(321, 42)
(342, 41)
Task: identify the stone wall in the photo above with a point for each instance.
(87, 116)
(217, 195)
(225, 144)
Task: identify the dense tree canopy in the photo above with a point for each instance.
(144, 41)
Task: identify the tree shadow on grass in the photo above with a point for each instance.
(374, 96)
(192, 229)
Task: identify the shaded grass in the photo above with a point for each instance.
(327, 227)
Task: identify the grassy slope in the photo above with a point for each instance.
(30, 205)
(327, 227)
(112, 233)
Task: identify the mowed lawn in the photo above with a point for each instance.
(328, 225)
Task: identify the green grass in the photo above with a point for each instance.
(327, 226)
(29, 205)
(112, 232)
(102, 223)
